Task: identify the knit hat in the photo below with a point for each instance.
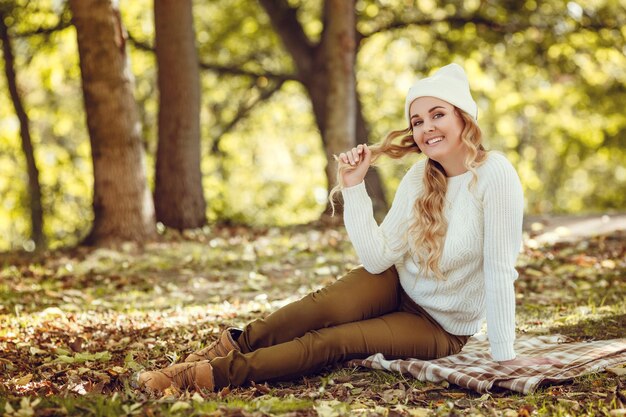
(450, 84)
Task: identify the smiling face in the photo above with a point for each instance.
(437, 129)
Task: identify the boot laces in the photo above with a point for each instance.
(185, 377)
(205, 352)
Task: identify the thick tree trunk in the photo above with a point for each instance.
(34, 188)
(178, 197)
(374, 182)
(312, 67)
(339, 45)
(122, 204)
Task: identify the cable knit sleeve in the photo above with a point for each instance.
(503, 206)
(379, 247)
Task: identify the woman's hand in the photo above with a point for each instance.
(530, 361)
(358, 160)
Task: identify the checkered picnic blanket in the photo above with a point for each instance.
(473, 367)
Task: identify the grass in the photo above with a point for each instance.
(78, 323)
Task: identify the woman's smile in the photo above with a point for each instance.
(435, 140)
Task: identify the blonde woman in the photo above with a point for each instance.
(441, 261)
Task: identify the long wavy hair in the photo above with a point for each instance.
(429, 226)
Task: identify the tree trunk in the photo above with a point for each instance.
(178, 197)
(338, 43)
(34, 188)
(374, 182)
(312, 67)
(122, 204)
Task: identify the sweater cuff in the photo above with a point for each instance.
(502, 351)
(357, 194)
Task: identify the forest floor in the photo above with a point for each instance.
(76, 324)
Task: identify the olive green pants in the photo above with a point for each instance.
(358, 315)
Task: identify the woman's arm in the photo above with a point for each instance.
(379, 247)
(503, 205)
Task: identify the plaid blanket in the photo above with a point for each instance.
(473, 367)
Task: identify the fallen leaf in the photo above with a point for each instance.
(392, 396)
(570, 403)
(117, 370)
(179, 405)
(24, 380)
(455, 394)
(419, 412)
(36, 351)
(525, 411)
(617, 371)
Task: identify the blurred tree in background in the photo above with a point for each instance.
(37, 236)
(549, 78)
(324, 62)
(178, 196)
(122, 205)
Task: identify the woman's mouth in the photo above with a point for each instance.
(434, 140)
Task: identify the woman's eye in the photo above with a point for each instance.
(437, 115)
(417, 123)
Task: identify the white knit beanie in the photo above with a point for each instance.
(450, 84)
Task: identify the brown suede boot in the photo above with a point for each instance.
(185, 376)
(221, 347)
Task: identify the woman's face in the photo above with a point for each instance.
(437, 128)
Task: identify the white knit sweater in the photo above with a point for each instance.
(481, 247)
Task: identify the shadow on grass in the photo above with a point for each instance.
(610, 327)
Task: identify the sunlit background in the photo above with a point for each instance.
(549, 78)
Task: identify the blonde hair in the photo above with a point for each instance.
(429, 225)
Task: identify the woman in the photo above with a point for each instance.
(441, 261)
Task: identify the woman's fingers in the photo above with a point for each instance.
(354, 155)
(359, 159)
(351, 157)
(366, 151)
(345, 157)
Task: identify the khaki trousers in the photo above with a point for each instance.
(358, 315)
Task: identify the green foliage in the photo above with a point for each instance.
(49, 81)
(547, 93)
(548, 77)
